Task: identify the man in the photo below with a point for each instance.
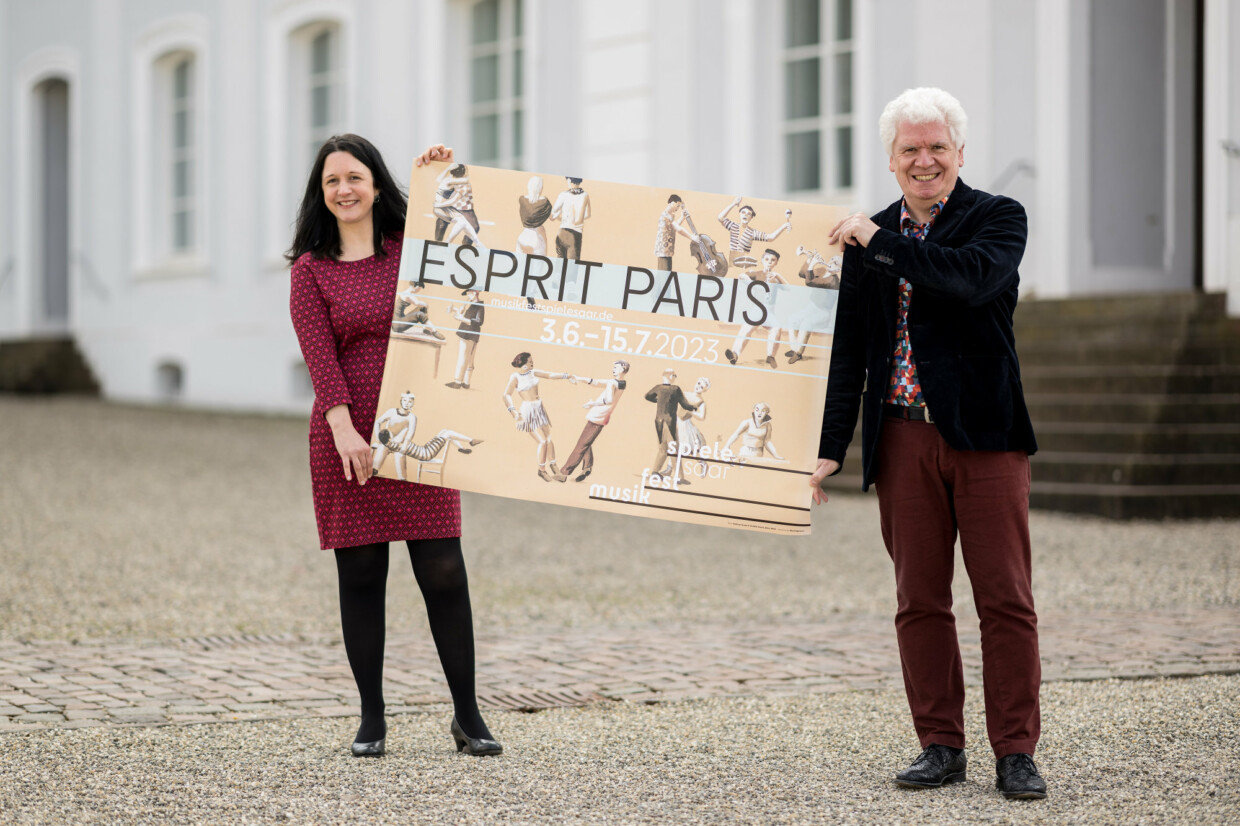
(741, 236)
(773, 281)
(665, 235)
(925, 313)
(667, 398)
(599, 415)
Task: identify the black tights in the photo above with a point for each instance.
(440, 572)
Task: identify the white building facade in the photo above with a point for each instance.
(156, 149)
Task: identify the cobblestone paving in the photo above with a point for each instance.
(65, 685)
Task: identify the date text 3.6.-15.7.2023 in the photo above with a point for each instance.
(633, 340)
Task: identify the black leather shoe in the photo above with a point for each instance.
(937, 766)
(1018, 778)
(374, 748)
(478, 746)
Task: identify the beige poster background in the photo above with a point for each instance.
(758, 420)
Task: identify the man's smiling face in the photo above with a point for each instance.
(926, 162)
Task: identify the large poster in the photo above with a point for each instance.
(630, 349)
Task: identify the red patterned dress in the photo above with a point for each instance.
(342, 312)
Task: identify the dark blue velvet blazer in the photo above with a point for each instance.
(965, 279)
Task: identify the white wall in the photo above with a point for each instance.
(684, 94)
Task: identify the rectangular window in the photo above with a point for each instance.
(496, 83)
(817, 63)
(181, 158)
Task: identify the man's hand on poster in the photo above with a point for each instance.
(354, 452)
(853, 230)
(436, 152)
(825, 468)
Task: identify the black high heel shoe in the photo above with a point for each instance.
(374, 748)
(477, 746)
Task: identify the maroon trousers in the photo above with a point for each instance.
(927, 493)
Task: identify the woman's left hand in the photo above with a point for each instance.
(435, 152)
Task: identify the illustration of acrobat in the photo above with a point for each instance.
(742, 235)
(600, 410)
(756, 433)
(411, 314)
(454, 207)
(774, 282)
(394, 433)
(532, 417)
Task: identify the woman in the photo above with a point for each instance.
(689, 437)
(471, 317)
(756, 434)
(534, 210)
(532, 417)
(345, 257)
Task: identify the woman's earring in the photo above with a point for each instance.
(377, 194)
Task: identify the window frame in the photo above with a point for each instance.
(827, 122)
(509, 104)
(284, 170)
(156, 55)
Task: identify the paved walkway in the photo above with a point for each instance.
(65, 685)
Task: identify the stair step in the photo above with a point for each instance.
(1117, 437)
(1135, 408)
(44, 365)
(1166, 378)
(1147, 352)
(1136, 469)
(1110, 500)
(1139, 501)
(1101, 309)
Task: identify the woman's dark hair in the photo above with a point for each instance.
(316, 229)
(521, 359)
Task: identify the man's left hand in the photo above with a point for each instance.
(855, 229)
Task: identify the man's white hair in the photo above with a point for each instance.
(924, 104)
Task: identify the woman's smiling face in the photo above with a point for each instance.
(348, 188)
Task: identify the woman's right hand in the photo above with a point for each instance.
(434, 152)
(355, 455)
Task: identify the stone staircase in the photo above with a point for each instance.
(1135, 402)
(45, 365)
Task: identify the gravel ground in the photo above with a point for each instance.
(1115, 752)
(155, 524)
(136, 523)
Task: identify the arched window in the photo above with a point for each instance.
(170, 148)
(180, 151)
(317, 91)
